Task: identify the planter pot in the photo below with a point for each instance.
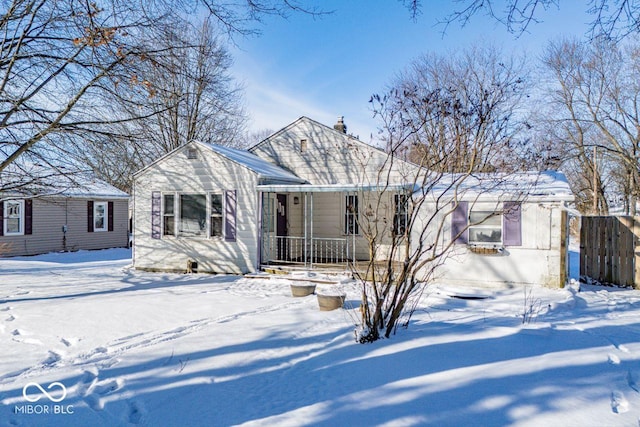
(330, 302)
(302, 290)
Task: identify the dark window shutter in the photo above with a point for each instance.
(459, 223)
(90, 216)
(110, 216)
(230, 216)
(28, 216)
(1, 218)
(512, 224)
(156, 214)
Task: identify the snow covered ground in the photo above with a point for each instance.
(133, 348)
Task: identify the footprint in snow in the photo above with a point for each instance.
(11, 318)
(619, 403)
(68, 342)
(6, 309)
(136, 411)
(107, 386)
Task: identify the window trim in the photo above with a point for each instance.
(21, 217)
(211, 215)
(206, 234)
(165, 215)
(488, 215)
(105, 218)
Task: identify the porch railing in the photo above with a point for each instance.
(312, 250)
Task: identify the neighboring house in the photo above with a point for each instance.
(301, 196)
(68, 213)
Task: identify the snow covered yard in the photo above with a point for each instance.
(196, 350)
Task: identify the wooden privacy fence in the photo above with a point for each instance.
(608, 249)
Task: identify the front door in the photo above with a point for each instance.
(281, 227)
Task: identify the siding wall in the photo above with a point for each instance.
(208, 173)
(50, 214)
(331, 157)
(536, 261)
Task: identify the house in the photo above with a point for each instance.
(304, 196)
(61, 212)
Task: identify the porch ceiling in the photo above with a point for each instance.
(329, 188)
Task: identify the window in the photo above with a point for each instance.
(193, 214)
(100, 216)
(169, 216)
(485, 227)
(400, 217)
(351, 215)
(14, 217)
(216, 215)
(303, 145)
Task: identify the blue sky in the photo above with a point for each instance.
(329, 66)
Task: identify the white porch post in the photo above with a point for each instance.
(311, 230)
(305, 251)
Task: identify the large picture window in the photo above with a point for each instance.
(193, 214)
(351, 215)
(14, 217)
(485, 227)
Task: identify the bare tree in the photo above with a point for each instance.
(188, 95)
(470, 102)
(408, 226)
(614, 19)
(62, 62)
(597, 115)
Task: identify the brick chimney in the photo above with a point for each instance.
(340, 126)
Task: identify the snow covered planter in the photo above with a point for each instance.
(330, 302)
(302, 289)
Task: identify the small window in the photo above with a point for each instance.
(100, 216)
(192, 153)
(14, 217)
(216, 215)
(193, 214)
(400, 217)
(303, 145)
(169, 215)
(485, 227)
(351, 215)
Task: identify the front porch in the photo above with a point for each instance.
(319, 226)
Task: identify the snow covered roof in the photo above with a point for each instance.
(39, 180)
(539, 186)
(263, 168)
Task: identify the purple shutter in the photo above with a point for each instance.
(110, 216)
(512, 224)
(459, 223)
(156, 214)
(230, 216)
(1, 218)
(28, 216)
(90, 216)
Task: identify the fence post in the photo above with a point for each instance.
(636, 252)
(564, 222)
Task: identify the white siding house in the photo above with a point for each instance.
(302, 196)
(200, 204)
